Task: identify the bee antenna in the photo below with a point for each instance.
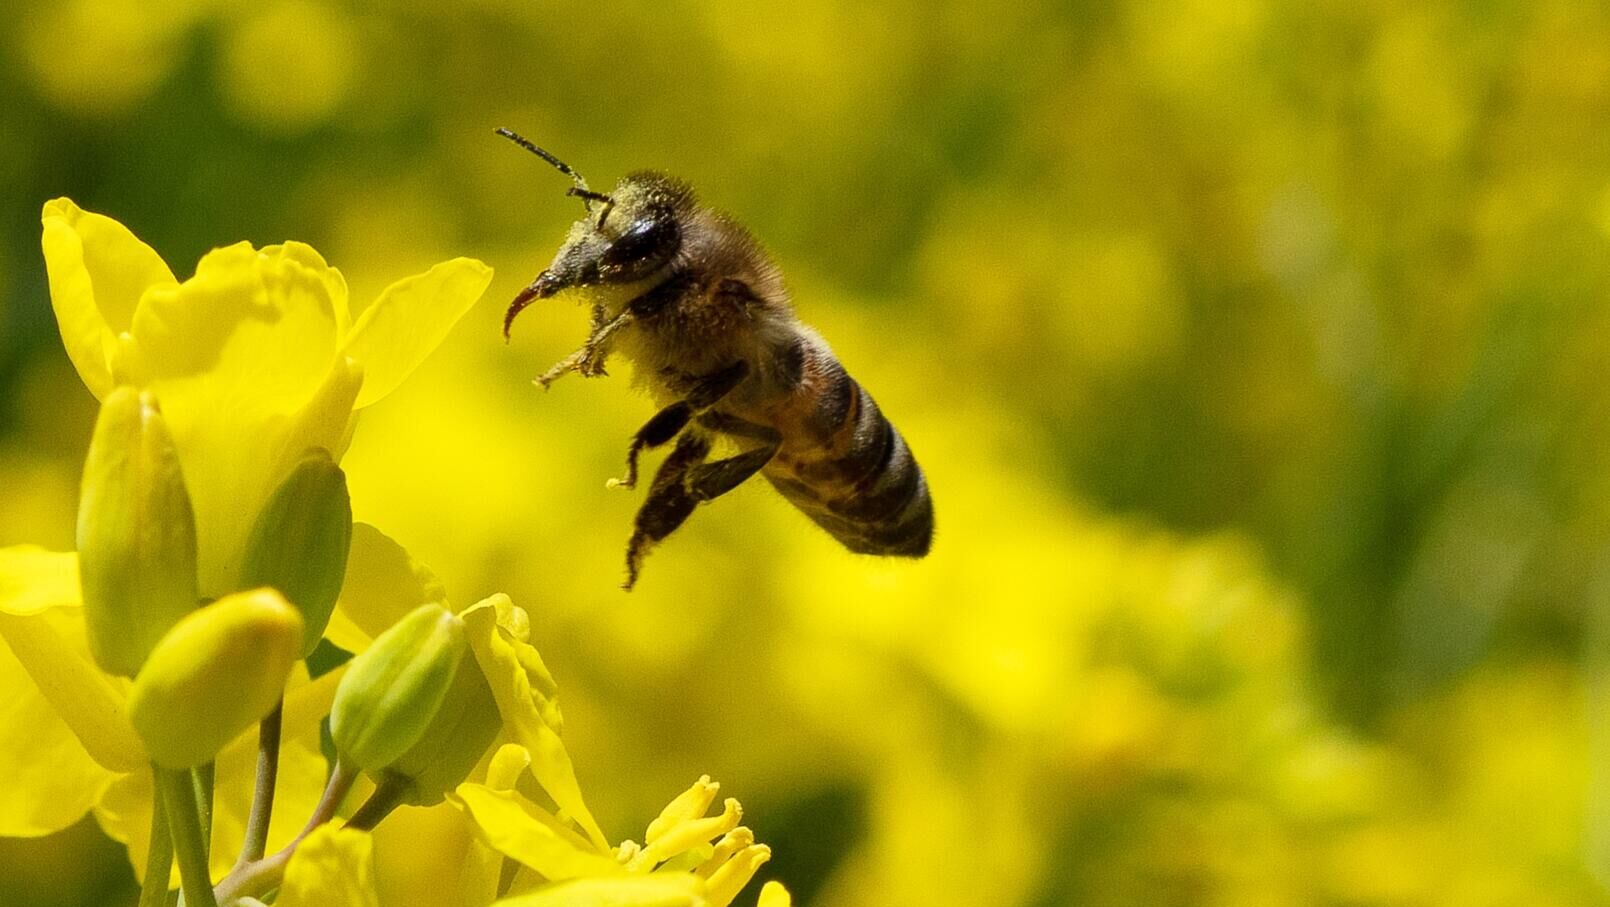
(580, 190)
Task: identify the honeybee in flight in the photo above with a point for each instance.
(692, 300)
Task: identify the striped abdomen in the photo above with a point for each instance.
(847, 467)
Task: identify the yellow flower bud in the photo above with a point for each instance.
(136, 533)
(300, 542)
(393, 689)
(217, 672)
(458, 736)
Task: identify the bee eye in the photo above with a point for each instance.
(644, 246)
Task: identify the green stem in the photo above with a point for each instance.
(201, 779)
(263, 875)
(268, 761)
(387, 796)
(158, 858)
(184, 824)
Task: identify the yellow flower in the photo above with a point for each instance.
(255, 359)
(563, 856)
(688, 858)
(67, 745)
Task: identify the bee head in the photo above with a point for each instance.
(624, 238)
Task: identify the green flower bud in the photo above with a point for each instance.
(300, 542)
(458, 736)
(136, 533)
(393, 689)
(217, 672)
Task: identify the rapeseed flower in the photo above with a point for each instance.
(253, 361)
(228, 400)
(519, 833)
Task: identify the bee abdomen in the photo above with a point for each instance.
(862, 484)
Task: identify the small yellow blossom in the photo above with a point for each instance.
(255, 359)
(711, 858)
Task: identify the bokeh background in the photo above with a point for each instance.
(1257, 352)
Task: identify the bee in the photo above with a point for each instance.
(692, 300)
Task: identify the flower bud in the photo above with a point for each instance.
(393, 689)
(217, 672)
(136, 533)
(458, 736)
(300, 542)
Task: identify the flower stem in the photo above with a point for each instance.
(263, 875)
(184, 823)
(201, 778)
(387, 796)
(159, 857)
(268, 763)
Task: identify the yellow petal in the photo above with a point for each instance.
(519, 829)
(236, 355)
(98, 272)
(326, 422)
(383, 583)
(410, 319)
(433, 858)
(504, 660)
(33, 579)
(334, 283)
(47, 780)
(669, 890)
(53, 648)
(124, 813)
(506, 766)
(332, 867)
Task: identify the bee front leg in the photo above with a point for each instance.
(589, 360)
(669, 503)
(669, 422)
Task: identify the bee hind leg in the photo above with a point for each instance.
(668, 505)
(708, 481)
(669, 422)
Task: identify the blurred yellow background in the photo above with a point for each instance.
(1257, 353)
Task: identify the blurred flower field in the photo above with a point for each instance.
(1256, 354)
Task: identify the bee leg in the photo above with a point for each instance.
(596, 349)
(669, 422)
(589, 360)
(668, 504)
(708, 481)
(664, 426)
(568, 364)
